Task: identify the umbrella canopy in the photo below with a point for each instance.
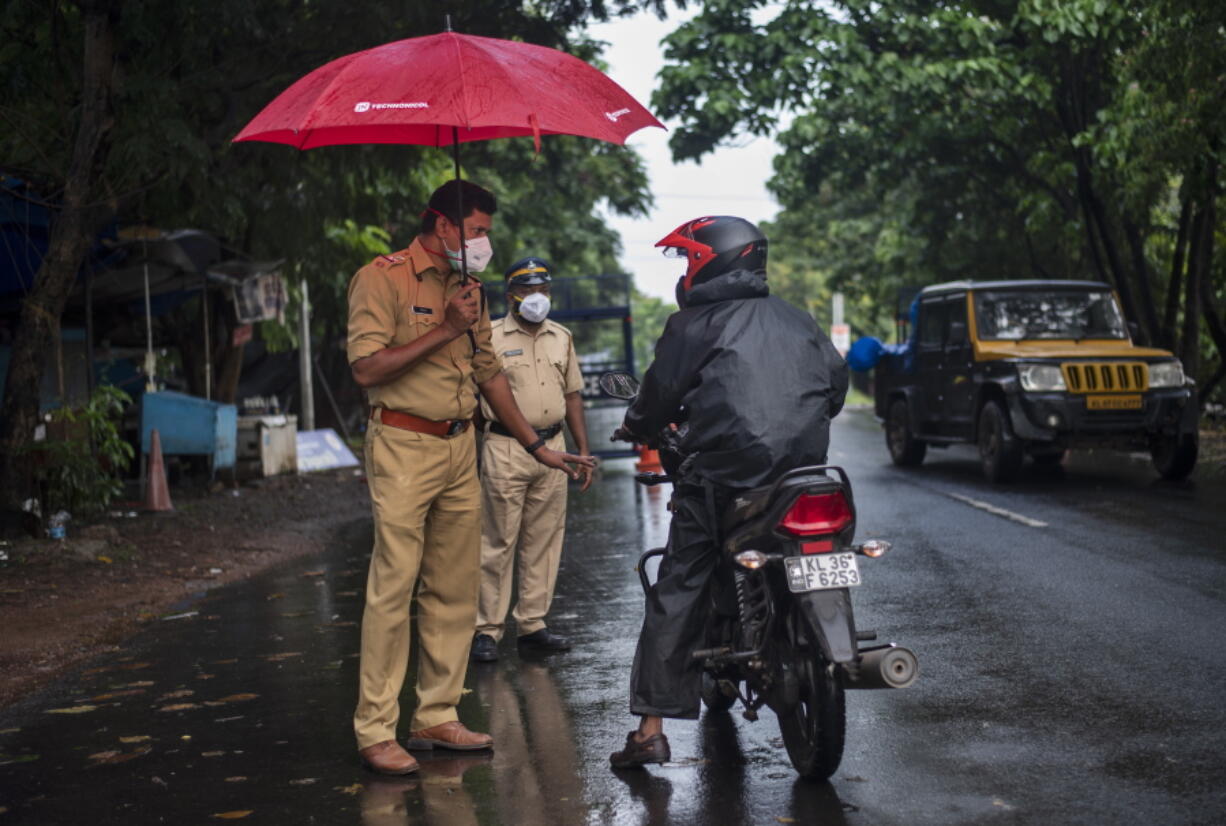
(447, 88)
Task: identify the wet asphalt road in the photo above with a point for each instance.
(1072, 671)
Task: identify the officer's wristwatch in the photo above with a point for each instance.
(535, 446)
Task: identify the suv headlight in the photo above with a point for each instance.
(1166, 374)
(1041, 377)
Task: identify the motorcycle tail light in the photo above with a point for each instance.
(820, 546)
(815, 514)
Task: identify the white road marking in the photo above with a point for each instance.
(984, 506)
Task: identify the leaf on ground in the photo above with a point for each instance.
(353, 790)
(174, 695)
(276, 658)
(111, 695)
(71, 710)
(9, 730)
(135, 738)
(212, 753)
(238, 698)
(204, 676)
(5, 760)
(786, 819)
(113, 757)
(228, 719)
(141, 684)
(305, 781)
(277, 595)
(179, 707)
(292, 614)
(236, 779)
(236, 815)
(320, 572)
(133, 666)
(105, 559)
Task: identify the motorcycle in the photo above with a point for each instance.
(781, 632)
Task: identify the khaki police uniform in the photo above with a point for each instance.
(424, 492)
(524, 502)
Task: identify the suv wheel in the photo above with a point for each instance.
(1174, 456)
(999, 450)
(905, 449)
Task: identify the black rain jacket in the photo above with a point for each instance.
(755, 378)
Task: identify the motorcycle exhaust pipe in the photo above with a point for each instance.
(889, 666)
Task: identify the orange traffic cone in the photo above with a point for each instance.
(157, 494)
(649, 460)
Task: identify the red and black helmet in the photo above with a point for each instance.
(714, 245)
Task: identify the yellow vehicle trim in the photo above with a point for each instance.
(1105, 376)
(1063, 349)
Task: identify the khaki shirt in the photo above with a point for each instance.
(542, 369)
(397, 298)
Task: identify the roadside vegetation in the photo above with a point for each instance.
(926, 142)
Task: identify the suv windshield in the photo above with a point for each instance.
(1026, 314)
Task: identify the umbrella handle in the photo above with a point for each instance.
(459, 197)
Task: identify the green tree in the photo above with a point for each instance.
(123, 110)
(928, 140)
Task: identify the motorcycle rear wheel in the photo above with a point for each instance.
(814, 729)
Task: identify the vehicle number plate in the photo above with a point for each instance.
(817, 572)
(1132, 402)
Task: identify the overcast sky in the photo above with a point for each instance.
(730, 181)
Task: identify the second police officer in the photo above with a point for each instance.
(523, 510)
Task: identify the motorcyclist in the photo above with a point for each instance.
(758, 382)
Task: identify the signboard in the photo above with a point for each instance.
(840, 335)
(323, 450)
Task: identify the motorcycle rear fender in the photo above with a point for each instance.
(830, 619)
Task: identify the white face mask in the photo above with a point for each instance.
(477, 251)
(534, 308)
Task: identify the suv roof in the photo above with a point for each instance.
(1031, 284)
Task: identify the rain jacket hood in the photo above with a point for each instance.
(755, 378)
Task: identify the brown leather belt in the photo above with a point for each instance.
(407, 421)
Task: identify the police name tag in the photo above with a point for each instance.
(422, 310)
(519, 352)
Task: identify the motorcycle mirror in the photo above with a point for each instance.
(619, 385)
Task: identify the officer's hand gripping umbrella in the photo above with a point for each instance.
(447, 89)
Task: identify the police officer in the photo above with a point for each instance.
(419, 344)
(523, 509)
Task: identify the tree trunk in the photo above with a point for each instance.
(1149, 310)
(1189, 350)
(1170, 339)
(71, 235)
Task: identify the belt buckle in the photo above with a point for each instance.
(455, 428)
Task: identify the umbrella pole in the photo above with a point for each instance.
(459, 202)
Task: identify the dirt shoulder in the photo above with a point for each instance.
(65, 602)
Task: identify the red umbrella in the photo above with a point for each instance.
(448, 89)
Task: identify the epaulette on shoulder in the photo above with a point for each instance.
(389, 260)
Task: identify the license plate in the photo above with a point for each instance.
(1113, 402)
(817, 572)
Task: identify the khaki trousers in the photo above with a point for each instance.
(425, 496)
(523, 508)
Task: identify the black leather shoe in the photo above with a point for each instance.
(485, 649)
(638, 753)
(544, 640)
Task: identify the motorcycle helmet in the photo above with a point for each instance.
(714, 245)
